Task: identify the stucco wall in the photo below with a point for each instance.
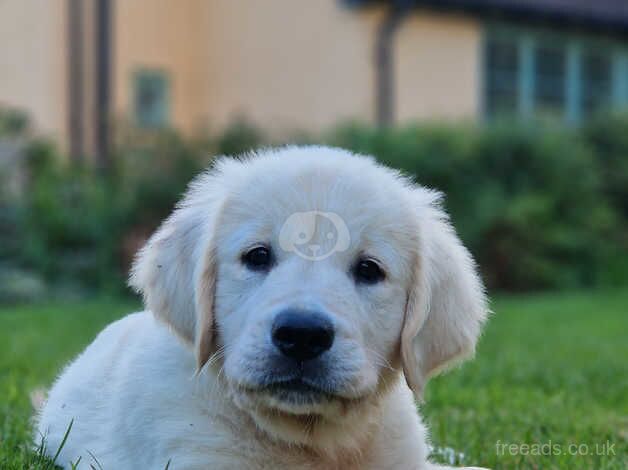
(284, 64)
(302, 64)
(288, 64)
(33, 62)
(437, 67)
(166, 35)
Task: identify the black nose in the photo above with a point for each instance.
(302, 335)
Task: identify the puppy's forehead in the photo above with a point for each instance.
(272, 188)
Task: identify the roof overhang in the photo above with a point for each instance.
(610, 16)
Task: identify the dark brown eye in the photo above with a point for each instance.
(259, 258)
(367, 271)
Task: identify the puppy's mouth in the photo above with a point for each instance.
(313, 387)
(298, 391)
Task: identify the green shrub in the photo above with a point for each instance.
(608, 136)
(240, 137)
(67, 224)
(153, 171)
(77, 227)
(13, 122)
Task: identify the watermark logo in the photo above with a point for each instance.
(314, 235)
(554, 448)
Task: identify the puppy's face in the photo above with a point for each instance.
(309, 278)
(314, 267)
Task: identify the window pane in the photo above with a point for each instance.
(502, 76)
(151, 99)
(596, 82)
(549, 79)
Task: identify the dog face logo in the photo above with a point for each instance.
(314, 235)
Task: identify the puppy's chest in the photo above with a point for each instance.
(221, 446)
(227, 447)
(290, 459)
(231, 440)
(282, 458)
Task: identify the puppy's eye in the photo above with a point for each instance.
(259, 258)
(368, 271)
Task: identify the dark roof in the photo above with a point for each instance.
(608, 15)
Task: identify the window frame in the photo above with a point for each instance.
(574, 44)
(484, 83)
(142, 73)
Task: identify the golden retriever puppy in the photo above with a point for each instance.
(294, 301)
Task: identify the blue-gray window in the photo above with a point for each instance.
(549, 79)
(596, 82)
(151, 98)
(551, 74)
(502, 82)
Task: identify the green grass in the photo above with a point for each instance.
(551, 370)
(35, 343)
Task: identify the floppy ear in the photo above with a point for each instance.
(175, 271)
(446, 303)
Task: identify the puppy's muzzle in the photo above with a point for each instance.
(302, 335)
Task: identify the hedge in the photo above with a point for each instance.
(539, 206)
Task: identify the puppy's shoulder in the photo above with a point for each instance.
(136, 344)
(96, 365)
(102, 392)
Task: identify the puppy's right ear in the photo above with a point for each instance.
(446, 305)
(175, 271)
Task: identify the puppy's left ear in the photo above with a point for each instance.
(176, 270)
(446, 303)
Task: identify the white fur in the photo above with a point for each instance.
(177, 383)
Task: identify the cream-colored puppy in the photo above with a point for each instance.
(294, 300)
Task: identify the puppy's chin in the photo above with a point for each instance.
(318, 422)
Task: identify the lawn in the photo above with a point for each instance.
(550, 378)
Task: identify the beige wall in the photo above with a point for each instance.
(33, 62)
(437, 67)
(284, 64)
(160, 34)
(288, 64)
(302, 64)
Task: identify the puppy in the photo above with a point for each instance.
(294, 301)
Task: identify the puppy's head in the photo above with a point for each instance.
(314, 277)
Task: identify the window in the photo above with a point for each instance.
(150, 98)
(551, 74)
(549, 80)
(596, 82)
(502, 77)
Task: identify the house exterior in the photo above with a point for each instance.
(77, 66)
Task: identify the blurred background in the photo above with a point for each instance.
(516, 109)
(512, 108)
